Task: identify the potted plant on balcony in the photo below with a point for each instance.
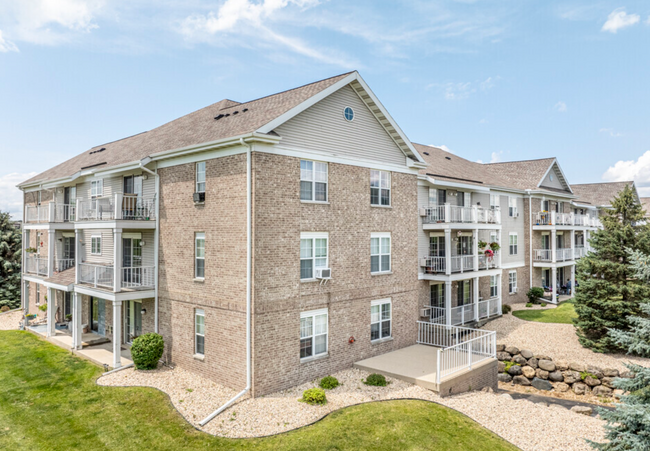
(30, 250)
(495, 246)
(482, 244)
(489, 254)
(68, 320)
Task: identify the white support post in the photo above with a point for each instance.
(586, 235)
(499, 296)
(23, 301)
(475, 287)
(500, 250)
(117, 260)
(77, 210)
(77, 252)
(555, 290)
(50, 313)
(573, 244)
(51, 213)
(447, 249)
(448, 302)
(51, 244)
(474, 213)
(573, 280)
(76, 318)
(118, 205)
(447, 213)
(117, 334)
(553, 246)
(475, 248)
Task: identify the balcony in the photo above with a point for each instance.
(52, 212)
(36, 265)
(579, 252)
(103, 276)
(546, 255)
(465, 314)
(117, 207)
(552, 218)
(62, 264)
(459, 215)
(459, 264)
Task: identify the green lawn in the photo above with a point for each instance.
(563, 313)
(49, 401)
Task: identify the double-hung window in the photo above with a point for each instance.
(97, 188)
(200, 177)
(38, 293)
(380, 319)
(514, 243)
(494, 286)
(512, 282)
(199, 332)
(512, 206)
(494, 201)
(96, 245)
(313, 333)
(464, 292)
(199, 255)
(379, 188)
(379, 252)
(313, 254)
(313, 181)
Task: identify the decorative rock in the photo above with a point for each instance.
(602, 390)
(571, 377)
(608, 381)
(504, 377)
(512, 350)
(618, 393)
(542, 404)
(596, 372)
(580, 389)
(541, 384)
(505, 396)
(541, 373)
(514, 370)
(521, 380)
(556, 376)
(528, 372)
(487, 390)
(542, 357)
(519, 360)
(532, 363)
(503, 356)
(501, 348)
(592, 382)
(579, 367)
(561, 366)
(627, 374)
(546, 365)
(501, 367)
(610, 372)
(526, 354)
(562, 387)
(582, 410)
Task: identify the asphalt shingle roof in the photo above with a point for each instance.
(598, 194)
(524, 174)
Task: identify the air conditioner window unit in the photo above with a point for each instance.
(323, 273)
(199, 197)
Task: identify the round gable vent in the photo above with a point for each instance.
(348, 113)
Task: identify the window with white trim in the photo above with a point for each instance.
(199, 332)
(512, 282)
(200, 177)
(38, 294)
(313, 333)
(199, 255)
(313, 253)
(381, 314)
(513, 243)
(464, 292)
(494, 201)
(313, 181)
(97, 188)
(494, 286)
(96, 245)
(379, 188)
(379, 252)
(512, 206)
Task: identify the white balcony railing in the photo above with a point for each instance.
(96, 275)
(64, 263)
(99, 209)
(543, 255)
(36, 265)
(459, 263)
(51, 212)
(138, 208)
(485, 262)
(118, 206)
(139, 277)
(567, 219)
(456, 214)
(466, 313)
(579, 252)
(434, 264)
(564, 254)
(489, 308)
(37, 214)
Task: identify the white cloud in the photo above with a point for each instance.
(611, 132)
(7, 46)
(483, 121)
(637, 170)
(460, 91)
(12, 199)
(443, 147)
(496, 157)
(560, 107)
(619, 19)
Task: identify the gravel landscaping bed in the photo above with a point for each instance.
(522, 306)
(554, 428)
(10, 320)
(556, 340)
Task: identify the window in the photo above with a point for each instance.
(464, 245)
(512, 282)
(494, 201)
(545, 205)
(199, 255)
(379, 188)
(464, 292)
(199, 332)
(494, 287)
(380, 319)
(348, 113)
(38, 294)
(512, 206)
(514, 241)
(379, 252)
(97, 188)
(313, 254)
(200, 177)
(559, 207)
(493, 237)
(313, 181)
(437, 246)
(67, 303)
(96, 245)
(313, 333)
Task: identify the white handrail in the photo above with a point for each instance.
(138, 277)
(543, 255)
(459, 214)
(96, 275)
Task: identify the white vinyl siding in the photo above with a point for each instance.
(199, 332)
(313, 181)
(380, 319)
(313, 333)
(96, 245)
(199, 255)
(379, 188)
(380, 252)
(513, 244)
(313, 254)
(494, 201)
(200, 177)
(512, 282)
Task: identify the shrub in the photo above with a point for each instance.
(43, 307)
(505, 309)
(495, 246)
(534, 294)
(146, 350)
(509, 365)
(4, 308)
(543, 304)
(329, 382)
(529, 304)
(314, 396)
(68, 317)
(376, 380)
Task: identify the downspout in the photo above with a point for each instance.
(248, 288)
(156, 238)
(530, 239)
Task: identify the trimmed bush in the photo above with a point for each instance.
(146, 350)
(529, 304)
(376, 380)
(534, 294)
(505, 309)
(543, 304)
(4, 308)
(314, 396)
(329, 382)
(43, 307)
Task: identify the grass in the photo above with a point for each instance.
(563, 314)
(49, 401)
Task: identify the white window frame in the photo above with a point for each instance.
(93, 239)
(313, 236)
(313, 314)
(199, 236)
(512, 287)
(380, 303)
(311, 176)
(494, 201)
(494, 286)
(511, 244)
(38, 294)
(512, 206)
(200, 176)
(199, 313)
(381, 236)
(96, 188)
(383, 175)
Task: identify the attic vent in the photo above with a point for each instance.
(448, 158)
(235, 112)
(97, 151)
(244, 110)
(218, 117)
(426, 153)
(93, 165)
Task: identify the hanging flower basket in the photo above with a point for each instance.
(489, 254)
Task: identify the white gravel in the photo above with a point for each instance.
(523, 423)
(558, 341)
(10, 320)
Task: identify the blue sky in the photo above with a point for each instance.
(491, 80)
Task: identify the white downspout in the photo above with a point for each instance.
(156, 238)
(248, 288)
(530, 239)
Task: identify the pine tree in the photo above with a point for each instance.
(10, 260)
(608, 291)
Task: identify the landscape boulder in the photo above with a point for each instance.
(528, 372)
(542, 357)
(521, 380)
(541, 373)
(504, 377)
(526, 354)
(556, 376)
(541, 384)
(596, 371)
(592, 381)
(610, 372)
(608, 381)
(532, 363)
(501, 348)
(580, 389)
(601, 390)
(503, 356)
(627, 374)
(514, 370)
(561, 366)
(571, 377)
(512, 350)
(501, 367)
(582, 410)
(519, 360)
(562, 387)
(546, 365)
(579, 367)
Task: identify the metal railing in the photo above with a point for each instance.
(461, 347)
(51, 212)
(64, 263)
(65, 212)
(98, 209)
(459, 264)
(543, 255)
(36, 265)
(579, 252)
(457, 214)
(490, 307)
(568, 219)
(138, 208)
(139, 277)
(437, 315)
(118, 206)
(485, 262)
(564, 254)
(462, 263)
(96, 275)
(463, 314)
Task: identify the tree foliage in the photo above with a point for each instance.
(608, 290)
(10, 260)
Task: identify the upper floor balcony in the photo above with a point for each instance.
(50, 213)
(454, 214)
(546, 255)
(553, 218)
(105, 277)
(458, 264)
(37, 265)
(117, 207)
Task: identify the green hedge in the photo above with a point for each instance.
(146, 350)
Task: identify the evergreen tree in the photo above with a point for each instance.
(608, 291)
(10, 260)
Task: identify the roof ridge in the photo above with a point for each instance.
(522, 161)
(602, 183)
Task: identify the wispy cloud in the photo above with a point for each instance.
(443, 147)
(12, 199)
(637, 170)
(6, 45)
(611, 132)
(463, 90)
(495, 157)
(619, 19)
(560, 107)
